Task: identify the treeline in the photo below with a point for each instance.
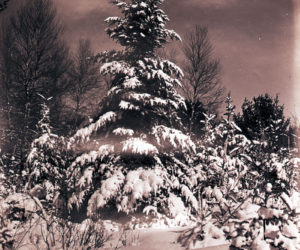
(35, 61)
(262, 119)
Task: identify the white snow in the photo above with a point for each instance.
(128, 106)
(137, 145)
(269, 213)
(86, 132)
(143, 4)
(289, 244)
(112, 19)
(213, 236)
(290, 230)
(260, 244)
(109, 189)
(123, 131)
(93, 155)
(187, 193)
(117, 67)
(248, 211)
(175, 137)
(287, 200)
(132, 83)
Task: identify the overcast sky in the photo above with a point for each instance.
(254, 39)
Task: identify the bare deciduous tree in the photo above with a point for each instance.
(84, 92)
(202, 72)
(33, 59)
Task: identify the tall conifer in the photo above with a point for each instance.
(134, 152)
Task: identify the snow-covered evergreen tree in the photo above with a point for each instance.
(143, 100)
(47, 166)
(134, 153)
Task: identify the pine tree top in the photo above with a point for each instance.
(139, 114)
(229, 107)
(142, 28)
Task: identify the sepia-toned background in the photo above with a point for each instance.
(257, 41)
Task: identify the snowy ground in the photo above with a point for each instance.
(159, 236)
(164, 238)
(156, 239)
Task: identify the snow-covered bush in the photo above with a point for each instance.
(25, 224)
(245, 190)
(15, 210)
(11, 174)
(275, 187)
(47, 171)
(205, 234)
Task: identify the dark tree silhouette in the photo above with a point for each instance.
(263, 119)
(202, 82)
(193, 117)
(33, 61)
(85, 85)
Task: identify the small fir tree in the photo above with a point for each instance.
(47, 166)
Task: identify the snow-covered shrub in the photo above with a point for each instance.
(47, 171)
(273, 180)
(63, 234)
(246, 190)
(11, 174)
(147, 183)
(24, 223)
(15, 210)
(276, 184)
(204, 235)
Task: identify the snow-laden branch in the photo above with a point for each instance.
(117, 68)
(123, 131)
(128, 106)
(138, 146)
(92, 156)
(175, 137)
(86, 132)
